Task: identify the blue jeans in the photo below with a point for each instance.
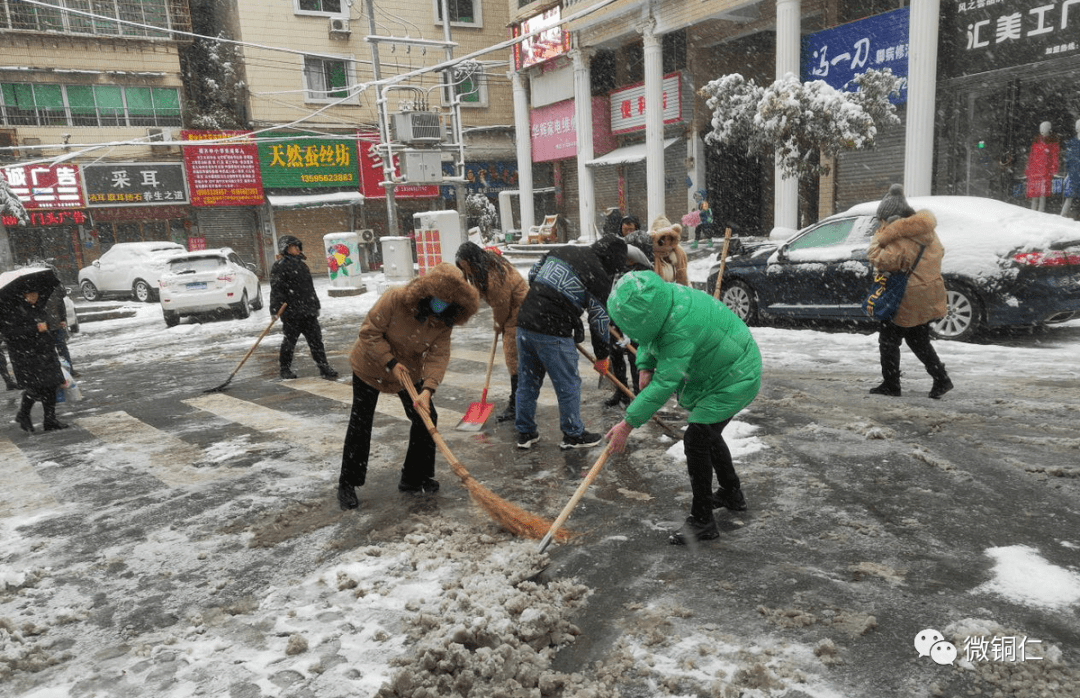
(556, 356)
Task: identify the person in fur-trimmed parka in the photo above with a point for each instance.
(669, 258)
(405, 337)
(894, 247)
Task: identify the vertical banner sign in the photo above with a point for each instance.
(979, 35)
(46, 186)
(135, 184)
(628, 105)
(837, 55)
(371, 173)
(222, 173)
(295, 161)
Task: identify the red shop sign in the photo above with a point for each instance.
(49, 219)
(371, 173)
(222, 173)
(46, 186)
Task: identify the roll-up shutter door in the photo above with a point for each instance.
(309, 225)
(231, 226)
(865, 175)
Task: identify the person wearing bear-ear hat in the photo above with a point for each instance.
(669, 258)
(902, 232)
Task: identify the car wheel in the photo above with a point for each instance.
(142, 292)
(963, 315)
(172, 318)
(739, 297)
(258, 304)
(89, 291)
(242, 310)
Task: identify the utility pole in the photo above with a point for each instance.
(384, 127)
(449, 97)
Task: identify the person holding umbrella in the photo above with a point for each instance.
(404, 338)
(692, 345)
(23, 322)
(503, 288)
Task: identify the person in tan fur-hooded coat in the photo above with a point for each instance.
(894, 247)
(405, 337)
(669, 258)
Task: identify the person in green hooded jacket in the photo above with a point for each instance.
(692, 345)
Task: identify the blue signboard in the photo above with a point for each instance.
(839, 54)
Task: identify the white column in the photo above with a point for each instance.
(786, 203)
(523, 135)
(583, 119)
(922, 87)
(654, 123)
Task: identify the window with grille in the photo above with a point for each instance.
(325, 79)
(464, 13)
(26, 104)
(143, 16)
(320, 7)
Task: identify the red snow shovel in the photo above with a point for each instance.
(478, 412)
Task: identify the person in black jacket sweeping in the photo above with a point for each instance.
(564, 284)
(290, 283)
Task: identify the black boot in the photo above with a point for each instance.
(327, 372)
(695, 530)
(23, 416)
(287, 373)
(617, 398)
(890, 371)
(942, 382)
(510, 413)
(346, 496)
(51, 422)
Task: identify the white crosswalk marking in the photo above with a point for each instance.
(312, 434)
(172, 459)
(23, 492)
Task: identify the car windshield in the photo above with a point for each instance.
(824, 235)
(193, 264)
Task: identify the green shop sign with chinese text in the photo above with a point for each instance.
(293, 161)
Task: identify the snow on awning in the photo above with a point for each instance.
(625, 155)
(337, 198)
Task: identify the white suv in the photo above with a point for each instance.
(207, 281)
(128, 269)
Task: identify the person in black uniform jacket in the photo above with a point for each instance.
(290, 283)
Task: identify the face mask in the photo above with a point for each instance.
(437, 306)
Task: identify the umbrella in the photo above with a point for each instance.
(13, 284)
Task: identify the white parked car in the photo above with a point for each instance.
(208, 281)
(129, 269)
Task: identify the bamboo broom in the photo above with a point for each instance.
(510, 516)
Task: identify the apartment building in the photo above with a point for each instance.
(309, 70)
(71, 87)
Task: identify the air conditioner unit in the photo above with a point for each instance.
(367, 236)
(159, 135)
(339, 27)
(417, 127)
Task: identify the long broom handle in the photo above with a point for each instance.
(264, 333)
(618, 384)
(435, 436)
(491, 364)
(578, 494)
(723, 261)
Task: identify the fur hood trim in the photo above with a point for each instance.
(919, 228)
(445, 282)
(665, 239)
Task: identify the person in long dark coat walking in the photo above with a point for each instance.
(33, 358)
(291, 283)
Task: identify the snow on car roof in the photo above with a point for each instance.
(978, 232)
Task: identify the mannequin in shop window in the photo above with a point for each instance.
(1072, 168)
(1042, 165)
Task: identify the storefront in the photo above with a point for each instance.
(54, 201)
(1005, 68)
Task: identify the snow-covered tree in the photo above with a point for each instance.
(480, 207)
(797, 119)
(10, 204)
(213, 72)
